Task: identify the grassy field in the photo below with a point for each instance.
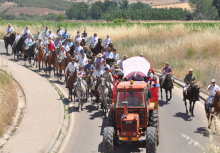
(8, 101)
(184, 45)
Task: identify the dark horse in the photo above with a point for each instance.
(71, 52)
(214, 108)
(98, 48)
(9, 41)
(192, 94)
(96, 92)
(83, 42)
(70, 83)
(18, 46)
(29, 52)
(167, 84)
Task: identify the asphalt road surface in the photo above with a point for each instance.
(86, 128)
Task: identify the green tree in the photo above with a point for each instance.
(96, 12)
(124, 4)
(216, 3)
(60, 17)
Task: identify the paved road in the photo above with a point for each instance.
(86, 129)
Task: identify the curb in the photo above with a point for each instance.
(18, 115)
(180, 84)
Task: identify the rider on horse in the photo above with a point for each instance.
(108, 76)
(189, 79)
(9, 30)
(94, 41)
(50, 48)
(69, 42)
(97, 74)
(57, 43)
(80, 72)
(167, 70)
(78, 39)
(212, 88)
(62, 54)
(28, 41)
(87, 52)
(26, 30)
(84, 34)
(38, 45)
(71, 67)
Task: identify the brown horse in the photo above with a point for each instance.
(62, 66)
(96, 92)
(40, 57)
(98, 48)
(9, 41)
(83, 42)
(70, 83)
(214, 109)
(51, 61)
(89, 80)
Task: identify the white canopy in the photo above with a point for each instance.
(136, 65)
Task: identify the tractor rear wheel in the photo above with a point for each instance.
(154, 122)
(108, 138)
(111, 119)
(151, 140)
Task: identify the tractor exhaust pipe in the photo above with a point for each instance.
(125, 104)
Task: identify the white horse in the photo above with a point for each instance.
(80, 90)
(104, 94)
(88, 41)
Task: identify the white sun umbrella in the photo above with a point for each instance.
(135, 65)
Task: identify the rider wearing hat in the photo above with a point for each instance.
(83, 60)
(26, 30)
(80, 72)
(212, 89)
(89, 68)
(65, 35)
(94, 40)
(28, 41)
(87, 52)
(97, 74)
(45, 32)
(69, 42)
(72, 66)
(17, 37)
(108, 76)
(99, 59)
(57, 43)
(62, 53)
(189, 79)
(9, 30)
(124, 57)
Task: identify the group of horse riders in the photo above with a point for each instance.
(101, 66)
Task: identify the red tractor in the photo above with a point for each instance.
(132, 116)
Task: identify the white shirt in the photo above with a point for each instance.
(83, 61)
(28, 41)
(213, 89)
(79, 57)
(9, 29)
(114, 56)
(62, 53)
(78, 39)
(66, 47)
(103, 67)
(38, 36)
(60, 32)
(94, 40)
(71, 67)
(108, 55)
(24, 31)
(78, 49)
(107, 41)
(17, 37)
(98, 73)
(51, 35)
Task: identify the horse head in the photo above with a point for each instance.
(103, 82)
(217, 97)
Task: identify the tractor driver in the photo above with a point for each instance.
(132, 100)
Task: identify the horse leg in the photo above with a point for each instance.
(6, 47)
(210, 122)
(193, 107)
(39, 67)
(190, 108)
(170, 94)
(60, 74)
(161, 93)
(166, 91)
(79, 104)
(186, 107)
(53, 70)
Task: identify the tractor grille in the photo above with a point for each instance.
(129, 126)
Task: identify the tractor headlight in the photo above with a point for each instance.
(124, 133)
(134, 133)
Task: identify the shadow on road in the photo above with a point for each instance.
(184, 116)
(5, 54)
(203, 131)
(162, 103)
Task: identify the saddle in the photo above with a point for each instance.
(61, 60)
(197, 90)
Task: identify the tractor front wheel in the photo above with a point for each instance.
(108, 138)
(111, 119)
(154, 122)
(151, 140)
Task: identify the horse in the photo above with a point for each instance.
(9, 41)
(88, 41)
(110, 45)
(96, 92)
(192, 94)
(70, 83)
(89, 80)
(80, 90)
(98, 48)
(214, 109)
(167, 84)
(51, 61)
(40, 57)
(104, 95)
(83, 42)
(18, 46)
(72, 51)
(62, 66)
(28, 53)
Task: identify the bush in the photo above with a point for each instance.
(190, 53)
(119, 20)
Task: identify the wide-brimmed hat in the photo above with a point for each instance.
(99, 55)
(167, 63)
(9, 24)
(73, 58)
(141, 54)
(190, 69)
(81, 66)
(89, 60)
(84, 46)
(125, 56)
(213, 80)
(62, 47)
(109, 48)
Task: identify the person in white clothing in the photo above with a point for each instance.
(97, 74)
(78, 39)
(212, 88)
(26, 30)
(78, 48)
(107, 41)
(51, 35)
(17, 36)
(78, 33)
(104, 65)
(38, 35)
(62, 53)
(72, 66)
(83, 61)
(9, 29)
(94, 41)
(60, 33)
(28, 41)
(67, 48)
